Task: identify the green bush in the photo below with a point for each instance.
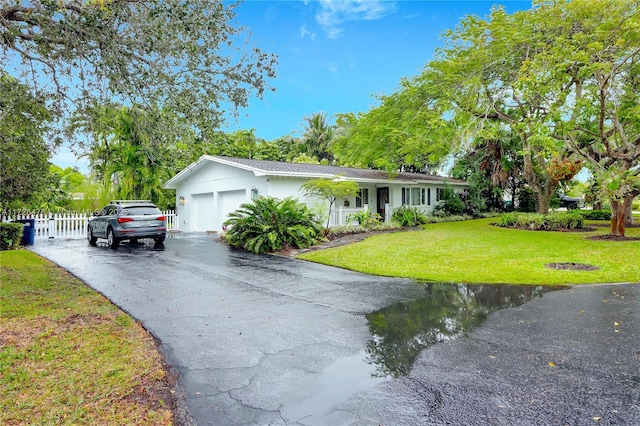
(538, 221)
(365, 218)
(568, 220)
(269, 224)
(10, 235)
(526, 200)
(451, 204)
(340, 231)
(595, 214)
(409, 216)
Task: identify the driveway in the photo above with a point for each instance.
(271, 340)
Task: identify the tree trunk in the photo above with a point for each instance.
(543, 202)
(618, 216)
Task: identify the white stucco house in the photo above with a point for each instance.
(212, 187)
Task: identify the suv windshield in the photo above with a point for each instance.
(140, 210)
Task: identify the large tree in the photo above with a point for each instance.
(408, 131)
(318, 136)
(24, 152)
(562, 77)
(599, 56)
(185, 56)
(128, 153)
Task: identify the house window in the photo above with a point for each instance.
(415, 196)
(362, 197)
(439, 194)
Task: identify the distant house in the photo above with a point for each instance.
(212, 187)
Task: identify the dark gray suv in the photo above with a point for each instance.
(127, 220)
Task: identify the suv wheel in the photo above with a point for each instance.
(112, 240)
(92, 240)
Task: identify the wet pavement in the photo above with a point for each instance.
(272, 340)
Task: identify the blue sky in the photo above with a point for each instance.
(334, 56)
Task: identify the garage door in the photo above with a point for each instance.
(229, 201)
(203, 212)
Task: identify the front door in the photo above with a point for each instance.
(383, 201)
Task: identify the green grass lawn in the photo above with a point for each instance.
(69, 356)
(476, 252)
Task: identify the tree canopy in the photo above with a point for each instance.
(561, 77)
(330, 190)
(24, 153)
(183, 56)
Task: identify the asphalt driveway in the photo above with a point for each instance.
(271, 340)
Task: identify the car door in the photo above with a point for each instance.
(100, 222)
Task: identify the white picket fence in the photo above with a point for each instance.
(67, 225)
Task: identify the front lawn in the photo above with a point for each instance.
(476, 252)
(69, 356)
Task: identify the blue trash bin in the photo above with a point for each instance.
(28, 231)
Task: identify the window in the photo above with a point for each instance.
(439, 194)
(362, 197)
(429, 196)
(415, 196)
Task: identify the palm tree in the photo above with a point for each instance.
(318, 136)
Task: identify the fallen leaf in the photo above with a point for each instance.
(491, 356)
(597, 419)
(616, 324)
(552, 364)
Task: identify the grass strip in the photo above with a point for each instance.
(474, 251)
(69, 356)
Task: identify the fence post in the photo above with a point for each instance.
(52, 226)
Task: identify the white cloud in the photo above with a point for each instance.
(305, 32)
(332, 13)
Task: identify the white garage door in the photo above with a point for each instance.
(203, 212)
(229, 201)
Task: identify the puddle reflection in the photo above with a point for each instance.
(400, 331)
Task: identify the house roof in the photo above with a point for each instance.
(314, 171)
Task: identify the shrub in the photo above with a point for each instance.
(269, 224)
(340, 231)
(526, 200)
(538, 221)
(451, 204)
(365, 218)
(569, 220)
(409, 216)
(10, 235)
(595, 214)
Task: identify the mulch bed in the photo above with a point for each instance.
(613, 238)
(572, 266)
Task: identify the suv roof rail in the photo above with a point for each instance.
(129, 201)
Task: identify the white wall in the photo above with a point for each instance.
(206, 187)
(214, 190)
